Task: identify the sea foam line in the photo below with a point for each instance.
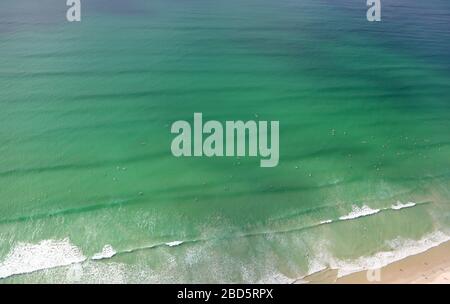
(106, 253)
(359, 212)
(399, 205)
(365, 210)
(356, 212)
(174, 243)
(399, 249)
(26, 257)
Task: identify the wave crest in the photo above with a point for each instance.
(106, 253)
(359, 212)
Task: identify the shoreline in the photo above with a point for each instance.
(429, 267)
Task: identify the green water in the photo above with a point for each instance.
(86, 110)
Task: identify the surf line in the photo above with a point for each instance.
(229, 140)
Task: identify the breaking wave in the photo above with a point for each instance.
(26, 258)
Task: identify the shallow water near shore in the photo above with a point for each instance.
(85, 164)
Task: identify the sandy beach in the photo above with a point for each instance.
(429, 267)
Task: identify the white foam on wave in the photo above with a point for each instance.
(400, 205)
(399, 249)
(106, 253)
(359, 212)
(315, 265)
(275, 277)
(366, 210)
(174, 243)
(26, 257)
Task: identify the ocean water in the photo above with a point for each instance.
(90, 192)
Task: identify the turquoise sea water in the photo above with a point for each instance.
(85, 160)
